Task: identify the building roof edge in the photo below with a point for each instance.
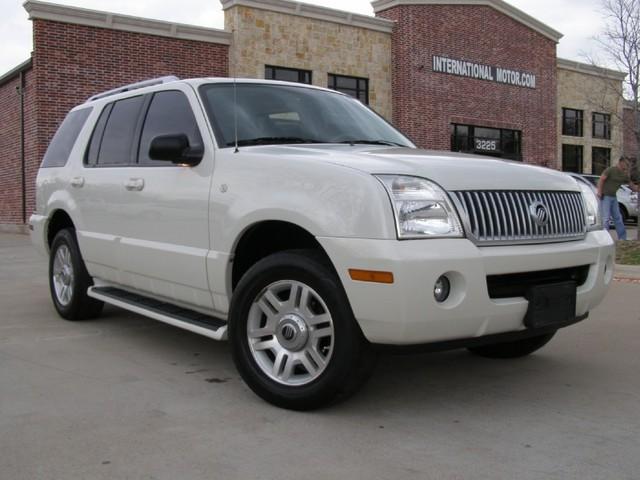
(24, 66)
(499, 5)
(307, 10)
(39, 10)
(589, 69)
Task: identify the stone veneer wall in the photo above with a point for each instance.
(262, 37)
(590, 93)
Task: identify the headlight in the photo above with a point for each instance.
(422, 209)
(592, 206)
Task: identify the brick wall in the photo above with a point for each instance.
(425, 103)
(10, 161)
(70, 63)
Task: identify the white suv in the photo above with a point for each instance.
(302, 226)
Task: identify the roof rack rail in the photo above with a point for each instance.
(134, 86)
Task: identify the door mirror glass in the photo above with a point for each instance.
(175, 148)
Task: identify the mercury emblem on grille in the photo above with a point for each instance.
(539, 213)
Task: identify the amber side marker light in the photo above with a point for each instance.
(371, 276)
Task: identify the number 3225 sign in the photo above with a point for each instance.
(486, 145)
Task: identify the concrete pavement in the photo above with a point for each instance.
(124, 397)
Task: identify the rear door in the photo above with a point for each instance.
(98, 186)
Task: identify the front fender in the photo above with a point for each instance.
(325, 199)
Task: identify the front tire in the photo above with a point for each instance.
(69, 279)
(293, 336)
(519, 348)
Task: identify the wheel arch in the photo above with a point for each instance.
(58, 220)
(264, 238)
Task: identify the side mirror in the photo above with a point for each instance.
(175, 149)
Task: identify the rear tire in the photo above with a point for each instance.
(293, 336)
(519, 348)
(69, 279)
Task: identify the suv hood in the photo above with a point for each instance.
(452, 171)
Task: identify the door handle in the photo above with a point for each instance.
(134, 184)
(77, 182)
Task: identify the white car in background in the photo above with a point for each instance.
(300, 225)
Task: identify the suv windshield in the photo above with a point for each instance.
(283, 114)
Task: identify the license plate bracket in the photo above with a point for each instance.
(551, 304)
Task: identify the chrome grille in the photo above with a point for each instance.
(504, 216)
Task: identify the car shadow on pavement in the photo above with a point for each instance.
(434, 382)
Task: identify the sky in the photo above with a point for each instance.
(578, 20)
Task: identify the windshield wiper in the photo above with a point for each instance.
(271, 141)
(373, 142)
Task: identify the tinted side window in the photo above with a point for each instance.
(96, 137)
(64, 139)
(169, 113)
(119, 133)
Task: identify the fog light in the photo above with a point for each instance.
(441, 289)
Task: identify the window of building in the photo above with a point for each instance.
(112, 139)
(600, 160)
(64, 139)
(287, 74)
(495, 142)
(601, 126)
(572, 158)
(169, 113)
(354, 86)
(572, 122)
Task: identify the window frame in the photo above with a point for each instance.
(143, 120)
(332, 81)
(137, 135)
(578, 122)
(578, 148)
(471, 137)
(608, 163)
(301, 72)
(606, 122)
(82, 112)
(100, 130)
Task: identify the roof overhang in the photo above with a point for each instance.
(314, 12)
(15, 71)
(95, 18)
(499, 5)
(590, 69)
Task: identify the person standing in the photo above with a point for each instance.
(610, 181)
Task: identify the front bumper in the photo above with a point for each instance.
(406, 313)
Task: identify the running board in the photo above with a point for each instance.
(184, 318)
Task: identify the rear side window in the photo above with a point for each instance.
(96, 137)
(112, 144)
(169, 113)
(60, 147)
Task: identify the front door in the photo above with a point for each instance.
(165, 229)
